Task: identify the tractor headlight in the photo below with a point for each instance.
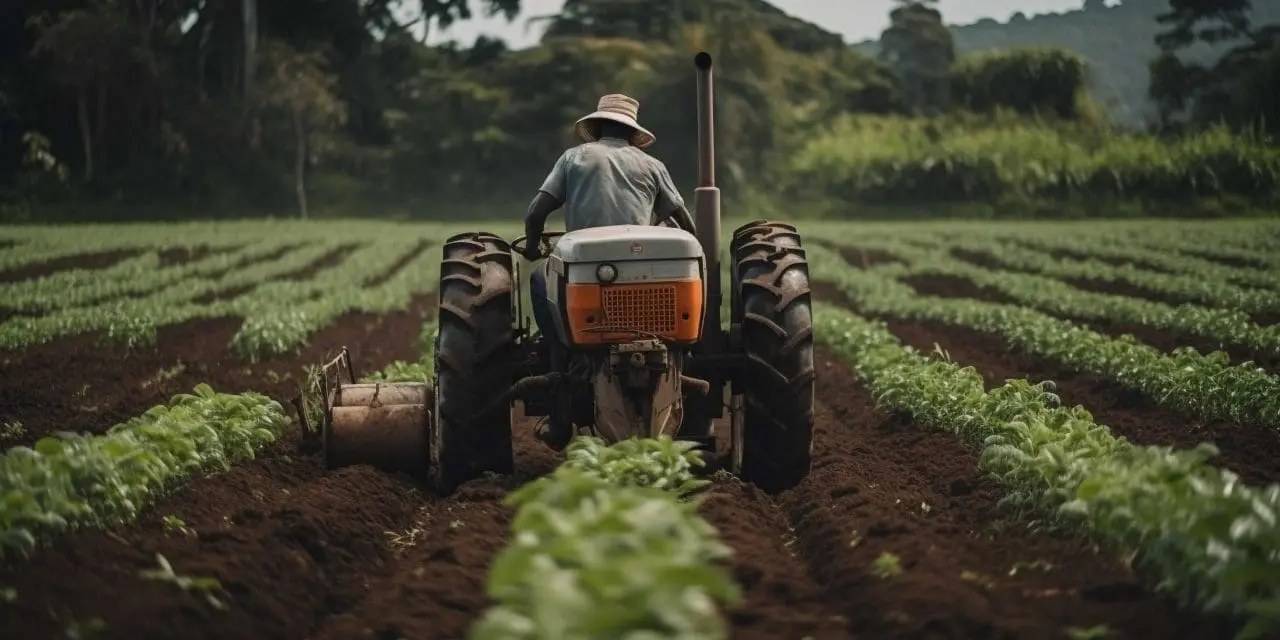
(606, 273)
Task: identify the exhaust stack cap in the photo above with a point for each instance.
(702, 60)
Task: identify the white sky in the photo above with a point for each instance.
(864, 20)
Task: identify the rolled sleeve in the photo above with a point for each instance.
(669, 198)
(556, 183)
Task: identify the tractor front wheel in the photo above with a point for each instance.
(772, 304)
(473, 350)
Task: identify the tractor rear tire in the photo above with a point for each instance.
(473, 361)
(772, 304)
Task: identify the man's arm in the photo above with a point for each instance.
(670, 204)
(549, 198)
(535, 220)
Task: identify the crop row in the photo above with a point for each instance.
(1226, 326)
(1190, 286)
(38, 244)
(1171, 261)
(73, 481)
(279, 314)
(1201, 385)
(1255, 242)
(134, 320)
(1214, 542)
(610, 546)
(138, 276)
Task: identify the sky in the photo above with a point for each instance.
(856, 20)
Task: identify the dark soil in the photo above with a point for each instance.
(1163, 339)
(357, 553)
(76, 384)
(182, 255)
(880, 484)
(1249, 451)
(98, 260)
(862, 258)
(436, 588)
(331, 259)
(290, 544)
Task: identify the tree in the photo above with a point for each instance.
(297, 85)
(249, 18)
(1238, 88)
(90, 49)
(446, 12)
(920, 49)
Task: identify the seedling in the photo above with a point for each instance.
(201, 585)
(887, 565)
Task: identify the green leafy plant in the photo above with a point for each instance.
(77, 480)
(597, 551)
(1213, 541)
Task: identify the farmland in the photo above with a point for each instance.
(1031, 430)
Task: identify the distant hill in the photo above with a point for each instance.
(1118, 41)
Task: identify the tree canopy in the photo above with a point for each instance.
(246, 106)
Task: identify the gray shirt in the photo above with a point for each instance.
(610, 182)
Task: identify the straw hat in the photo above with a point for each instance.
(618, 108)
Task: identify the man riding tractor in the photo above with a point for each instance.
(607, 180)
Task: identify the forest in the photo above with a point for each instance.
(160, 109)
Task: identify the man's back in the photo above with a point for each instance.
(611, 182)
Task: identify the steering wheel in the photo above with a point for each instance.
(546, 242)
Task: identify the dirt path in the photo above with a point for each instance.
(76, 384)
(1251, 452)
(882, 485)
(1163, 339)
(1109, 287)
(358, 553)
(290, 544)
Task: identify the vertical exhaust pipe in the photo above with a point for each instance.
(707, 203)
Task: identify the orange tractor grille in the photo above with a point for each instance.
(651, 308)
(604, 314)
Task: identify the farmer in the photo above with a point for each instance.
(607, 180)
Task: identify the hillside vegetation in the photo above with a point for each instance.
(1118, 42)
(115, 110)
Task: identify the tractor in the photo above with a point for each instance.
(640, 349)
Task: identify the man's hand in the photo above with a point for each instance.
(531, 250)
(535, 220)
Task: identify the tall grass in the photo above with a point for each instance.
(1002, 160)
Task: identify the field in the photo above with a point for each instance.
(953, 495)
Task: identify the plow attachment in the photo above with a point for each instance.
(386, 425)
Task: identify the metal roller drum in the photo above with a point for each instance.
(364, 395)
(391, 437)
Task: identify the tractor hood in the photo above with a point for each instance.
(627, 242)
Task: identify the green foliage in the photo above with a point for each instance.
(1118, 41)
(920, 50)
(886, 160)
(1039, 280)
(1207, 386)
(73, 481)
(598, 550)
(422, 370)
(661, 463)
(1214, 542)
(352, 114)
(1031, 82)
